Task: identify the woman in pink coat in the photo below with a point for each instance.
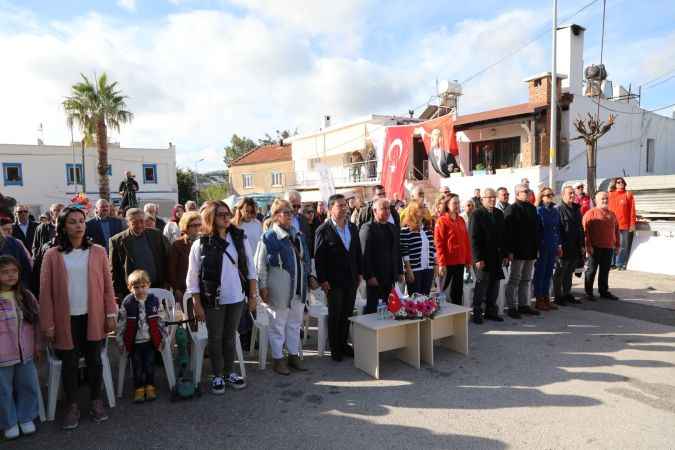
(77, 308)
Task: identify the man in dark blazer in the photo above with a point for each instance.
(24, 228)
(486, 230)
(382, 264)
(366, 213)
(103, 226)
(339, 270)
(135, 248)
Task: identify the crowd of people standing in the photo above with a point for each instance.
(70, 281)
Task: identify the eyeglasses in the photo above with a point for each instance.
(286, 212)
(296, 205)
(23, 211)
(548, 195)
(620, 182)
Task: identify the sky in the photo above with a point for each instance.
(197, 72)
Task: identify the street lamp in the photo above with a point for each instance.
(195, 177)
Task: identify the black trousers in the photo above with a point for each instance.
(91, 350)
(486, 291)
(562, 277)
(143, 361)
(454, 277)
(374, 294)
(600, 260)
(340, 308)
(422, 284)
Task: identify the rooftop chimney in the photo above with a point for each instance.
(570, 57)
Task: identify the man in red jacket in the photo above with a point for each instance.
(601, 232)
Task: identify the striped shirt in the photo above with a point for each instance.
(420, 254)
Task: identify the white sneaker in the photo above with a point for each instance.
(12, 433)
(217, 386)
(27, 428)
(234, 381)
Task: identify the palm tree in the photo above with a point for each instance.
(93, 107)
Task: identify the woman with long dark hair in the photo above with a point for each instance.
(549, 249)
(221, 275)
(622, 204)
(77, 308)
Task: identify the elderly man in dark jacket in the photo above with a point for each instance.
(572, 237)
(382, 263)
(366, 213)
(138, 248)
(522, 243)
(24, 228)
(486, 230)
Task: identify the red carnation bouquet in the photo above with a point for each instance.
(416, 307)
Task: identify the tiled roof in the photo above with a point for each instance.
(500, 113)
(267, 153)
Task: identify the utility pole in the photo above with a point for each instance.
(552, 159)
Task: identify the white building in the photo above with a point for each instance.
(341, 155)
(39, 175)
(515, 139)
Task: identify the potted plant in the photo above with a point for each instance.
(479, 169)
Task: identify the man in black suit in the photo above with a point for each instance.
(486, 230)
(339, 270)
(103, 226)
(366, 213)
(382, 264)
(24, 228)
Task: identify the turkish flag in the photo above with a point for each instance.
(397, 145)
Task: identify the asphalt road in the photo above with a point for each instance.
(581, 377)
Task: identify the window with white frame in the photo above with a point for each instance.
(651, 155)
(247, 180)
(277, 179)
(73, 174)
(12, 174)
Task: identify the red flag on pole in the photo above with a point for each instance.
(397, 144)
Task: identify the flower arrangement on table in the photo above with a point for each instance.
(416, 307)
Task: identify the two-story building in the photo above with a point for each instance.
(39, 175)
(263, 170)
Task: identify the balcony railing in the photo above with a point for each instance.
(363, 172)
(419, 173)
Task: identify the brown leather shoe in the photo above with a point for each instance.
(294, 362)
(541, 305)
(551, 305)
(280, 366)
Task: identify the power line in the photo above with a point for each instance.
(644, 85)
(524, 46)
(659, 82)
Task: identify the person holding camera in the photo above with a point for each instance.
(221, 275)
(128, 189)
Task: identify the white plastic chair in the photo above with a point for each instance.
(54, 378)
(260, 327)
(200, 338)
(167, 305)
(319, 311)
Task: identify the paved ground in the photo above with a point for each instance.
(576, 378)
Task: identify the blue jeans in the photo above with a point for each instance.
(620, 258)
(543, 271)
(18, 394)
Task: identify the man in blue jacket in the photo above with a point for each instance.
(103, 226)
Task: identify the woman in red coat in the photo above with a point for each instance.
(453, 249)
(622, 204)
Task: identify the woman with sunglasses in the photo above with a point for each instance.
(622, 204)
(220, 277)
(549, 249)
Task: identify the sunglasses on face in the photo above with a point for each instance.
(548, 195)
(620, 182)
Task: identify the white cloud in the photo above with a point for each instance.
(129, 5)
(195, 78)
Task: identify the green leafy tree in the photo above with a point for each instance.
(185, 179)
(214, 192)
(93, 106)
(238, 146)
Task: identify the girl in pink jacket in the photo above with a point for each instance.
(19, 342)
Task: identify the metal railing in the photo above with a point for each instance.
(349, 173)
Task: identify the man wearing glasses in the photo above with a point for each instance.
(522, 243)
(24, 228)
(299, 221)
(366, 215)
(502, 199)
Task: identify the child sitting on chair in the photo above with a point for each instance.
(140, 331)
